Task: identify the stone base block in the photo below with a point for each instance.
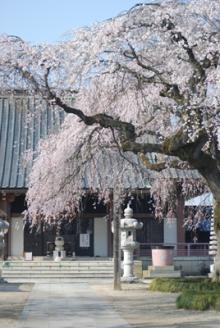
(59, 255)
(138, 270)
(161, 272)
(129, 279)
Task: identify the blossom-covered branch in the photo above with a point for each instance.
(144, 82)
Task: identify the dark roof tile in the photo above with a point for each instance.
(21, 127)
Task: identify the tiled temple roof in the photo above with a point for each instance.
(21, 127)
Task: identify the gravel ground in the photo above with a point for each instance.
(145, 309)
(12, 300)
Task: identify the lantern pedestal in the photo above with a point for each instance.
(129, 225)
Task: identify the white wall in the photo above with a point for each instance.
(17, 236)
(100, 237)
(170, 231)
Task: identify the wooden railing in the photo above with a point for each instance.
(180, 249)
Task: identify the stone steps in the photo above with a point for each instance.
(60, 272)
(161, 272)
(167, 268)
(174, 274)
(55, 264)
(65, 271)
(56, 268)
(57, 275)
(44, 280)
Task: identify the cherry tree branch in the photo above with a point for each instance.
(171, 90)
(160, 166)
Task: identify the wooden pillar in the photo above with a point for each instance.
(180, 219)
(116, 245)
(10, 197)
(110, 234)
(5, 206)
(110, 238)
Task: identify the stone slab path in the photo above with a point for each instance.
(68, 306)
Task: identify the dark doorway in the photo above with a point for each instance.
(85, 237)
(40, 240)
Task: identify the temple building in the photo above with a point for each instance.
(88, 235)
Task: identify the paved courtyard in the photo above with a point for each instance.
(95, 305)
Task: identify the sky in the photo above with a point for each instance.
(39, 21)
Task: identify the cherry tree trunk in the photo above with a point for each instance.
(210, 171)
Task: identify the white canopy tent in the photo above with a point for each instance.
(205, 199)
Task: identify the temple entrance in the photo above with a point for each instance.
(17, 237)
(78, 237)
(85, 237)
(100, 237)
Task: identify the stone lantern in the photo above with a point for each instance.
(129, 225)
(59, 253)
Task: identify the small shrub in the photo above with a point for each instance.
(198, 301)
(217, 304)
(197, 294)
(184, 301)
(176, 285)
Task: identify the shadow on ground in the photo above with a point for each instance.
(13, 297)
(201, 324)
(15, 287)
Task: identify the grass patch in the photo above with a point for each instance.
(199, 301)
(176, 285)
(197, 294)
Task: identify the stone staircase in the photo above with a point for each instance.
(168, 271)
(161, 272)
(45, 271)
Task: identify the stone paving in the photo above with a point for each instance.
(145, 309)
(13, 298)
(95, 305)
(68, 306)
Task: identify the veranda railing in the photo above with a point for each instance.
(180, 249)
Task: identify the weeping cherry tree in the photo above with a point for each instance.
(142, 90)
